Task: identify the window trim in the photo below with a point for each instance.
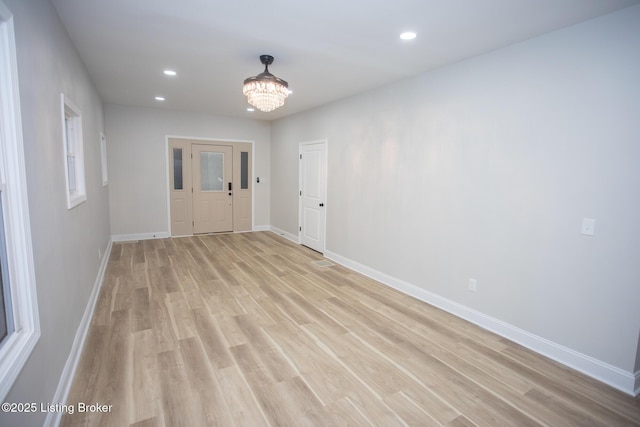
(72, 113)
(18, 346)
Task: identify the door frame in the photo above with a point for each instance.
(212, 141)
(326, 189)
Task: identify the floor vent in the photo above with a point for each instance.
(322, 263)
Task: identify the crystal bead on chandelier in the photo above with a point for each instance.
(265, 91)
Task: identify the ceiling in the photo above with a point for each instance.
(326, 50)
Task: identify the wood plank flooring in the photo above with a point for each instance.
(244, 330)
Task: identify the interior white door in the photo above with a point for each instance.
(313, 193)
(212, 188)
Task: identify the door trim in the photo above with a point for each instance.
(212, 141)
(326, 188)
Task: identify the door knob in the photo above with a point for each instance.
(321, 205)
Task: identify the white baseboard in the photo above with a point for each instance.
(139, 236)
(284, 234)
(624, 381)
(165, 234)
(64, 384)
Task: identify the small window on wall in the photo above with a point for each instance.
(73, 153)
(103, 158)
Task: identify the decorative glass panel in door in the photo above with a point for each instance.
(211, 171)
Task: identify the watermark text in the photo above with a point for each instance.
(31, 407)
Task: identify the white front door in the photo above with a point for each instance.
(313, 194)
(212, 188)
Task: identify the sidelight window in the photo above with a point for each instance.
(244, 170)
(177, 169)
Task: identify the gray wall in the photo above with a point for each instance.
(485, 169)
(65, 242)
(137, 161)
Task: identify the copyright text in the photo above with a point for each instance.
(80, 407)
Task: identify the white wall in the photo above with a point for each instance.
(485, 169)
(136, 141)
(65, 242)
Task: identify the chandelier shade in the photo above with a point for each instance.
(265, 91)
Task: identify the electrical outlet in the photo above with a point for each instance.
(588, 226)
(473, 284)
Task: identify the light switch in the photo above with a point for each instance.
(588, 226)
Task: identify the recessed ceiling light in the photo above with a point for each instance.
(169, 73)
(251, 109)
(159, 98)
(408, 35)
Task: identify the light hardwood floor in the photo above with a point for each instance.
(244, 330)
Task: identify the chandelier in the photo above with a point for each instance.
(265, 91)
